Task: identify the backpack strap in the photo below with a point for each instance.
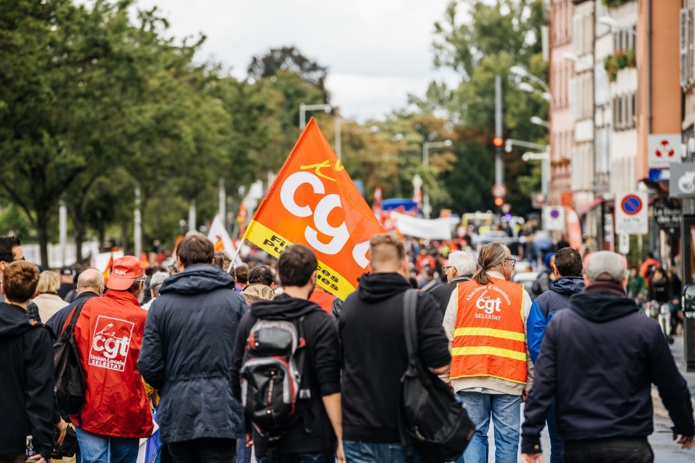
(410, 329)
(67, 332)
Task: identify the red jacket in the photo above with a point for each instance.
(109, 336)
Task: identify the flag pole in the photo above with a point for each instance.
(236, 254)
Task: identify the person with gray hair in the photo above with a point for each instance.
(459, 267)
(156, 281)
(598, 360)
(90, 284)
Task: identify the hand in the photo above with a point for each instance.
(685, 442)
(339, 453)
(674, 302)
(524, 396)
(36, 459)
(249, 441)
(532, 457)
(62, 429)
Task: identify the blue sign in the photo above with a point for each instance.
(659, 175)
(631, 204)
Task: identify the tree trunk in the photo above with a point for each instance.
(78, 223)
(42, 231)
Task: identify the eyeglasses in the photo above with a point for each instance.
(447, 267)
(513, 261)
(16, 260)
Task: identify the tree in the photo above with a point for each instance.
(290, 59)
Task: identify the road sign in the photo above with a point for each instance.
(499, 191)
(624, 244)
(631, 216)
(682, 182)
(554, 218)
(663, 149)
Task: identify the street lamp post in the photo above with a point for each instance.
(544, 157)
(613, 24)
(303, 108)
(426, 146)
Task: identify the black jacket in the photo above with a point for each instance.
(442, 293)
(26, 383)
(58, 319)
(375, 355)
(599, 360)
(321, 372)
(187, 353)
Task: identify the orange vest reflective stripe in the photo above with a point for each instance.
(490, 339)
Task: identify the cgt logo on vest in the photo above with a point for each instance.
(488, 305)
(110, 343)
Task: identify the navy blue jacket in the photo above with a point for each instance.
(58, 319)
(544, 308)
(599, 360)
(187, 354)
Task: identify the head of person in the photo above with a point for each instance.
(10, 251)
(20, 280)
(156, 281)
(91, 280)
(195, 249)
(568, 263)
(387, 255)
(633, 271)
(494, 257)
(659, 274)
(460, 264)
(605, 267)
(222, 261)
(261, 275)
(127, 274)
(650, 255)
(297, 268)
(242, 274)
(49, 283)
(67, 275)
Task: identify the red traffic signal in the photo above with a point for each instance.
(499, 202)
(498, 142)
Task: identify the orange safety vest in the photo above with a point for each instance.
(490, 339)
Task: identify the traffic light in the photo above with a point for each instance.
(497, 142)
(499, 202)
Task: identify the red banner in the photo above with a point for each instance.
(314, 202)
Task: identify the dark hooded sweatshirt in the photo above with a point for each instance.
(321, 371)
(375, 356)
(26, 383)
(186, 353)
(599, 359)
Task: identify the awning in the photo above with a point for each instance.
(582, 211)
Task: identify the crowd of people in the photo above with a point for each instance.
(255, 359)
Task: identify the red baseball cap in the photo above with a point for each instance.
(124, 272)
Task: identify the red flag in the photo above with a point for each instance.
(314, 202)
(176, 246)
(107, 272)
(144, 259)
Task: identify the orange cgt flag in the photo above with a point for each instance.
(314, 202)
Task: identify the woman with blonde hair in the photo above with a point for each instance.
(47, 299)
(491, 370)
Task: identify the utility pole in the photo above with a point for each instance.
(137, 222)
(63, 221)
(222, 197)
(499, 166)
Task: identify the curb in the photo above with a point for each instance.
(659, 409)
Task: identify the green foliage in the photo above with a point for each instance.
(620, 60)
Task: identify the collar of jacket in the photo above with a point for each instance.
(463, 278)
(495, 274)
(123, 296)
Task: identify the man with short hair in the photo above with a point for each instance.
(567, 265)
(375, 356)
(312, 437)
(187, 355)
(460, 267)
(26, 382)
(90, 284)
(599, 360)
(241, 277)
(108, 333)
(10, 251)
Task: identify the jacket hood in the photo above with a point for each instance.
(258, 292)
(600, 304)
(567, 285)
(13, 320)
(197, 279)
(376, 287)
(284, 307)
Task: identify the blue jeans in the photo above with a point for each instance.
(95, 448)
(368, 452)
(243, 453)
(556, 443)
(298, 458)
(505, 411)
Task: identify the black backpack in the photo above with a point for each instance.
(68, 372)
(433, 423)
(272, 392)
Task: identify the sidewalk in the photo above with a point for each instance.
(678, 356)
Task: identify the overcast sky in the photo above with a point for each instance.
(377, 51)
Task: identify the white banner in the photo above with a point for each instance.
(434, 229)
